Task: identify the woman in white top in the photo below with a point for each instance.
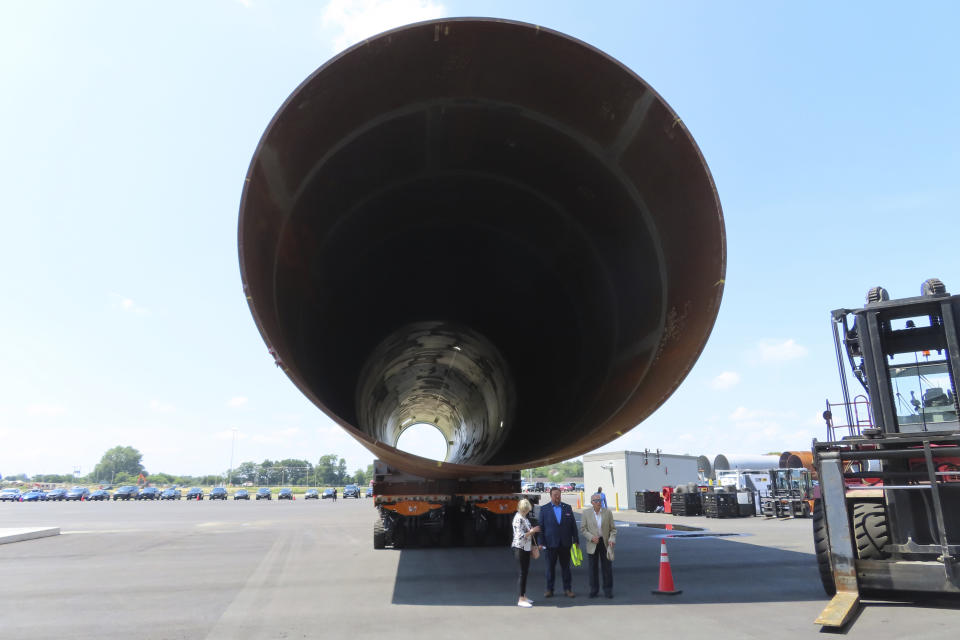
(523, 540)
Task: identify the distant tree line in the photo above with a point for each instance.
(557, 472)
(123, 465)
(330, 470)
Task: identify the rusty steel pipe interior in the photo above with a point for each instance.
(486, 226)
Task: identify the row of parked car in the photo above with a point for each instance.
(131, 492)
(545, 487)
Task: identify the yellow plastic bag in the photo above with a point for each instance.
(576, 556)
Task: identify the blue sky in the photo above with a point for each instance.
(126, 130)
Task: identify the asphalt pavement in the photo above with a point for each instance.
(307, 569)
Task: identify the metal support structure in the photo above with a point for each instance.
(945, 556)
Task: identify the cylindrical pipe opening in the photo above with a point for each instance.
(516, 190)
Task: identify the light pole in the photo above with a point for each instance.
(233, 445)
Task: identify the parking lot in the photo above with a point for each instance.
(307, 569)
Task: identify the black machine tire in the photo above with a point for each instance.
(469, 532)
(932, 287)
(870, 530)
(379, 534)
(446, 535)
(877, 294)
(821, 545)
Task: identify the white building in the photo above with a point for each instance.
(623, 473)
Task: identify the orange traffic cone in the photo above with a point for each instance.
(666, 587)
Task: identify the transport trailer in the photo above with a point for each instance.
(426, 512)
(888, 521)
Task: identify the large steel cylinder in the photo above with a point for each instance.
(486, 226)
(797, 460)
(745, 461)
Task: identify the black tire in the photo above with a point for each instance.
(379, 535)
(877, 294)
(870, 530)
(469, 532)
(821, 545)
(932, 287)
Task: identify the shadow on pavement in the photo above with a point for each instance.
(708, 570)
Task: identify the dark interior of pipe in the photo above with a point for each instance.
(503, 239)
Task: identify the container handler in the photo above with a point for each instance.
(888, 521)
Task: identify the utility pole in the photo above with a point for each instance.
(233, 444)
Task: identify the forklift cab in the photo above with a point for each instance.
(793, 483)
(905, 354)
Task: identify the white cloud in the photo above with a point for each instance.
(127, 305)
(236, 401)
(355, 20)
(45, 410)
(780, 351)
(161, 407)
(245, 3)
(726, 380)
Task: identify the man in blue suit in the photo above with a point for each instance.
(559, 533)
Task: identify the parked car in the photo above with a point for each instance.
(195, 493)
(579, 487)
(56, 494)
(34, 495)
(311, 494)
(529, 487)
(218, 493)
(567, 486)
(329, 493)
(369, 492)
(241, 494)
(264, 493)
(77, 493)
(285, 494)
(149, 493)
(11, 495)
(171, 494)
(99, 494)
(126, 492)
(351, 491)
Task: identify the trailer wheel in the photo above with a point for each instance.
(379, 535)
(821, 544)
(446, 534)
(469, 532)
(870, 530)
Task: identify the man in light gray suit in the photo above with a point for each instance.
(597, 526)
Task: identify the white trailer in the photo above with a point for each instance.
(623, 473)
